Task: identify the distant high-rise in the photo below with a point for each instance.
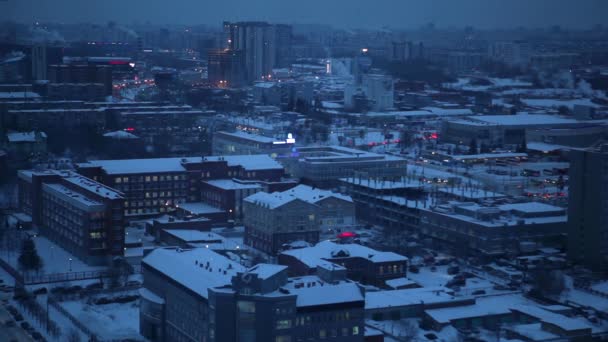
(588, 208)
(39, 63)
(225, 67)
(264, 46)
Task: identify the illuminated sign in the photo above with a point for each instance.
(290, 140)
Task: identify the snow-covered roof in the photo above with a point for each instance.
(563, 322)
(75, 198)
(522, 119)
(327, 250)
(533, 331)
(248, 136)
(161, 165)
(396, 298)
(230, 184)
(191, 235)
(15, 137)
(196, 269)
(93, 186)
(265, 271)
(399, 282)
(532, 207)
(315, 195)
(18, 95)
(312, 291)
(120, 135)
(199, 208)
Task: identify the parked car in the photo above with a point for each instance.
(414, 269)
(453, 270)
(478, 292)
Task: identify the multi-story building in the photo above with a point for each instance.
(361, 263)
(82, 73)
(240, 142)
(324, 166)
(199, 295)
(587, 207)
(490, 231)
(496, 130)
(225, 68)
(272, 220)
(263, 46)
(153, 186)
(228, 195)
(79, 214)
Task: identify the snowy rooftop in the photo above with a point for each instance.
(229, 184)
(93, 186)
(301, 192)
(265, 271)
(522, 119)
(532, 207)
(160, 165)
(18, 95)
(196, 269)
(326, 250)
(383, 184)
(75, 198)
(484, 306)
(395, 298)
(190, 235)
(120, 135)
(399, 282)
(249, 136)
(199, 208)
(15, 137)
(312, 291)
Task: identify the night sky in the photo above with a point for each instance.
(339, 13)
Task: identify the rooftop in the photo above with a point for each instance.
(327, 250)
(196, 269)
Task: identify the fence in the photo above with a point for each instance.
(70, 317)
(40, 314)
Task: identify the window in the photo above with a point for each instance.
(117, 180)
(283, 324)
(248, 307)
(355, 331)
(322, 333)
(283, 339)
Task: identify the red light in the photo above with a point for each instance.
(434, 136)
(129, 129)
(115, 62)
(345, 235)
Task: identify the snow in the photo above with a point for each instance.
(160, 165)
(18, 95)
(55, 259)
(188, 267)
(17, 137)
(406, 297)
(399, 282)
(556, 103)
(265, 271)
(565, 323)
(199, 208)
(74, 198)
(314, 291)
(189, 235)
(533, 331)
(249, 136)
(120, 135)
(522, 119)
(229, 184)
(532, 207)
(601, 287)
(150, 296)
(301, 192)
(313, 256)
(109, 321)
(484, 306)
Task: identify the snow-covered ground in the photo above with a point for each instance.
(55, 259)
(109, 321)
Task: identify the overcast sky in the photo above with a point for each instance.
(339, 13)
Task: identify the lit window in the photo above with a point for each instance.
(355, 331)
(284, 324)
(322, 333)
